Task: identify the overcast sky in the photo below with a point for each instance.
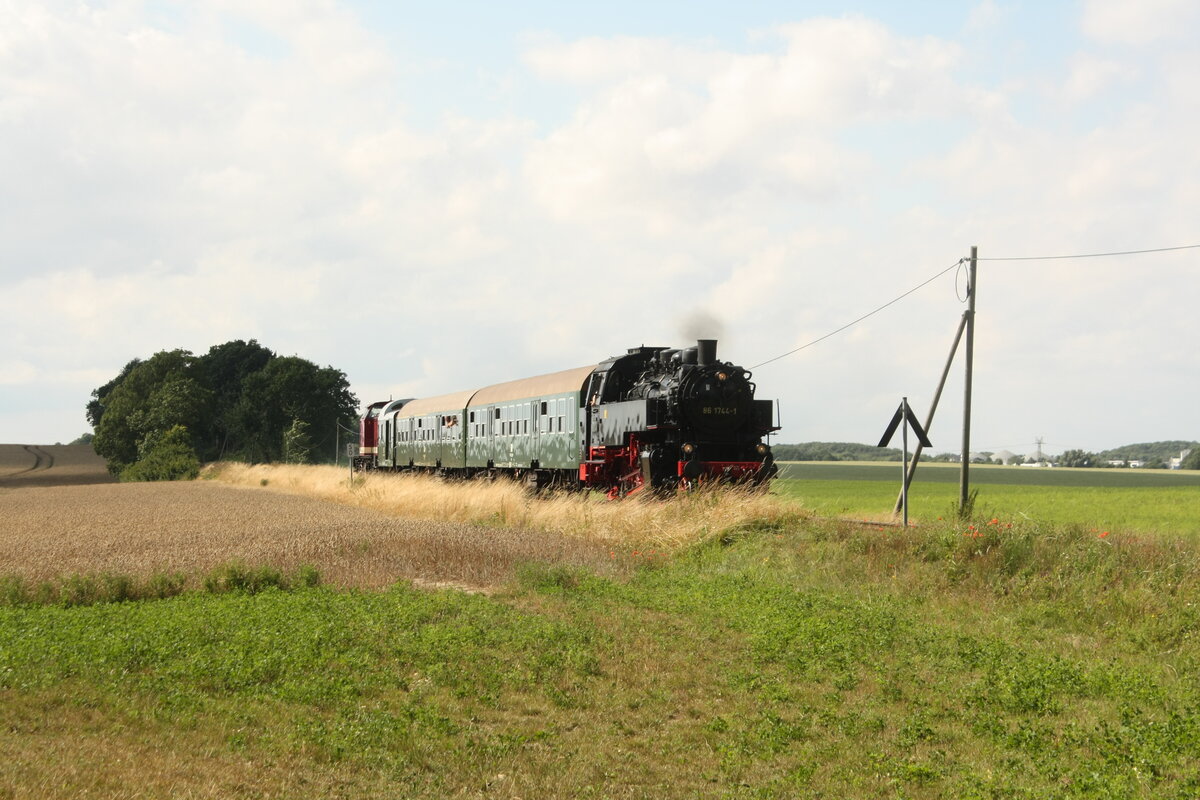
(437, 196)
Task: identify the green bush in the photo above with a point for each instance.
(169, 457)
(239, 578)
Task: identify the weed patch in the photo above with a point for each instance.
(87, 590)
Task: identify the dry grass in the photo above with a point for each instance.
(142, 529)
(668, 524)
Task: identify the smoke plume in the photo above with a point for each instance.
(701, 324)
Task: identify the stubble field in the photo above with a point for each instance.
(25, 466)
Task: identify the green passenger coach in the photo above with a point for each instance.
(527, 424)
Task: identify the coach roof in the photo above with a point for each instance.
(436, 405)
(569, 380)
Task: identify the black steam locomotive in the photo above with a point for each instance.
(651, 418)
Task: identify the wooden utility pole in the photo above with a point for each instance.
(937, 396)
(964, 486)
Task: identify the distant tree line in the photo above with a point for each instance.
(161, 417)
(1151, 454)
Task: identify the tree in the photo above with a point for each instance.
(224, 369)
(297, 445)
(1077, 458)
(237, 400)
(129, 411)
(95, 409)
(287, 389)
(1191, 460)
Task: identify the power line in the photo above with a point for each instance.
(893, 301)
(1091, 255)
(958, 264)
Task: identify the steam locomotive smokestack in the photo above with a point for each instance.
(706, 351)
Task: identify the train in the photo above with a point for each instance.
(654, 418)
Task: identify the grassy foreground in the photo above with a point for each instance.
(787, 659)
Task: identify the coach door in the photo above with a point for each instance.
(493, 426)
(535, 433)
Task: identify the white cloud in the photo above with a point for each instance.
(1142, 23)
(595, 61)
(1091, 76)
(985, 16)
(683, 134)
(249, 170)
(15, 372)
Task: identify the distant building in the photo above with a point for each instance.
(1177, 463)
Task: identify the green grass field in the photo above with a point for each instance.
(1146, 501)
(823, 660)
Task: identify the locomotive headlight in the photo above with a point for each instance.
(688, 448)
(762, 449)
(722, 376)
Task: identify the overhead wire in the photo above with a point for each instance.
(893, 301)
(1089, 255)
(959, 265)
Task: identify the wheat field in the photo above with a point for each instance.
(64, 517)
(142, 529)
